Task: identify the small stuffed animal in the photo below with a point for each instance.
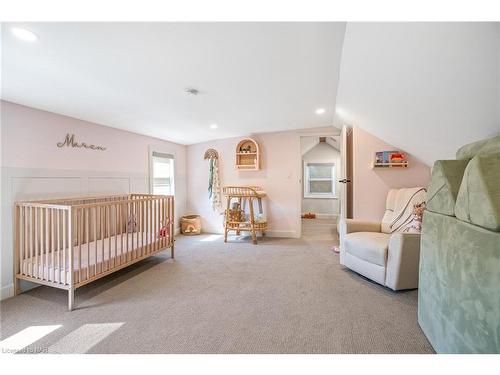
(415, 225)
(165, 229)
(131, 224)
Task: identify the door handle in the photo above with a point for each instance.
(344, 181)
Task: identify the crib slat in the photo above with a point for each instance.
(116, 233)
(36, 239)
(133, 255)
(42, 243)
(58, 246)
(101, 222)
(165, 218)
(120, 227)
(155, 213)
(137, 228)
(31, 234)
(79, 223)
(87, 230)
(141, 207)
(47, 244)
(95, 240)
(150, 226)
(108, 230)
(127, 221)
(65, 218)
(52, 244)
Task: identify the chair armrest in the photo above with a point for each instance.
(346, 226)
(403, 261)
(350, 226)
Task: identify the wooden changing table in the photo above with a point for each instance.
(234, 219)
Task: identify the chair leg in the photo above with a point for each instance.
(172, 251)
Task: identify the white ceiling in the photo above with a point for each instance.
(427, 88)
(252, 77)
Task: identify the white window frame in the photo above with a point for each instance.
(307, 179)
(151, 169)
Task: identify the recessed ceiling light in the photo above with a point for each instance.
(24, 34)
(320, 111)
(214, 126)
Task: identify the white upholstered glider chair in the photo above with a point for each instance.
(383, 251)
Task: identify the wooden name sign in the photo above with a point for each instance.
(70, 142)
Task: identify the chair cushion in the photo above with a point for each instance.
(478, 200)
(484, 147)
(446, 179)
(369, 246)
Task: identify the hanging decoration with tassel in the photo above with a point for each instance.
(214, 192)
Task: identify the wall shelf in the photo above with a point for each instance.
(247, 155)
(389, 165)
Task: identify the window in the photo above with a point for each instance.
(162, 172)
(319, 180)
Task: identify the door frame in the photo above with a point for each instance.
(324, 132)
(346, 172)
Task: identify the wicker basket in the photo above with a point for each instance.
(191, 225)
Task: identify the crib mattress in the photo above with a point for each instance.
(96, 257)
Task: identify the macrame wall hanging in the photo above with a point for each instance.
(213, 179)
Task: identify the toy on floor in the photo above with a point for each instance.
(336, 249)
(309, 215)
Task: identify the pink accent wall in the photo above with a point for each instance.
(29, 138)
(279, 176)
(370, 186)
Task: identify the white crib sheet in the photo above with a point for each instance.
(92, 255)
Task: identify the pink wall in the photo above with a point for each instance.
(370, 186)
(279, 176)
(29, 138)
(29, 142)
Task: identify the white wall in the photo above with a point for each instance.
(33, 167)
(321, 152)
(426, 88)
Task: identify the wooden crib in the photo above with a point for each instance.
(67, 243)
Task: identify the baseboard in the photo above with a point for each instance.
(269, 233)
(7, 291)
(282, 233)
(327, 216)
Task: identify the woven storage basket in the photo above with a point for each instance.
(191, 225)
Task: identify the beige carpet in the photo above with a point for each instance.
(281, 296)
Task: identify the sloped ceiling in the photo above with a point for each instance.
(252, 77)
(426, 88)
